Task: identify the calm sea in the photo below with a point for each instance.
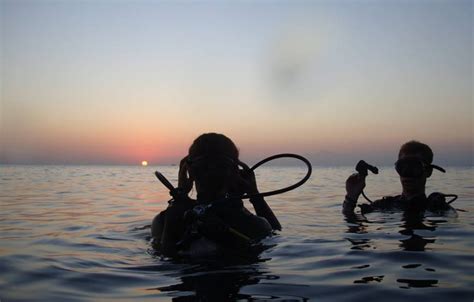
(81, 233)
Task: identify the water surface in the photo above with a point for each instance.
(81, 233)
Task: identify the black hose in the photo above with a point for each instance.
(454, 197)
(286, 189)
(366, 198)
(167, 184)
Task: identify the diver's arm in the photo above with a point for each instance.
(168, 227)
(262, 209)
(172, 231)
(355, 184)
(157, 226)
(348, 205)
(248, 184)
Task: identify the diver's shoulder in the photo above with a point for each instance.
(388, 201)
(438, 201)
(252, 225)
(385, 203)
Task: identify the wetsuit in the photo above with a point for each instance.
(436, 202)
(223, 223)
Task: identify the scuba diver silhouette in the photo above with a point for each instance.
(217, 220)
(414, 166)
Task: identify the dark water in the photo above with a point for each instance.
(80, 233)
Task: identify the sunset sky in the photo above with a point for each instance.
(118, 82)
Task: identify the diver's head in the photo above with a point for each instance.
(212, 162)
(414, 167)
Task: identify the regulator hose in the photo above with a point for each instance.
(173, 190)
(286, 189)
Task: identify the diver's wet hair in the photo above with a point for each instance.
(416, 147)
(211, 145)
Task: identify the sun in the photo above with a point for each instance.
(144, 163)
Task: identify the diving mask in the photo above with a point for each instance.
(414, 167)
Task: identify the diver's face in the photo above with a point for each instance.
(211, 176)
(413, 175)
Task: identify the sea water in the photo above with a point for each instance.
(81, 233)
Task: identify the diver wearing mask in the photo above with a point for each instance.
(414, 166)
(217, 220)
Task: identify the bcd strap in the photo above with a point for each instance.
(204, 220)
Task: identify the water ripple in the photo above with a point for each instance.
(82, 234)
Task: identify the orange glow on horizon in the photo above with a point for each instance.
(144, 163)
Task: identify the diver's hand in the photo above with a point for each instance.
(354, 186)
(185, 182)
(247, 182)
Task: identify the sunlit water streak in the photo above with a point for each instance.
(78, 233)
